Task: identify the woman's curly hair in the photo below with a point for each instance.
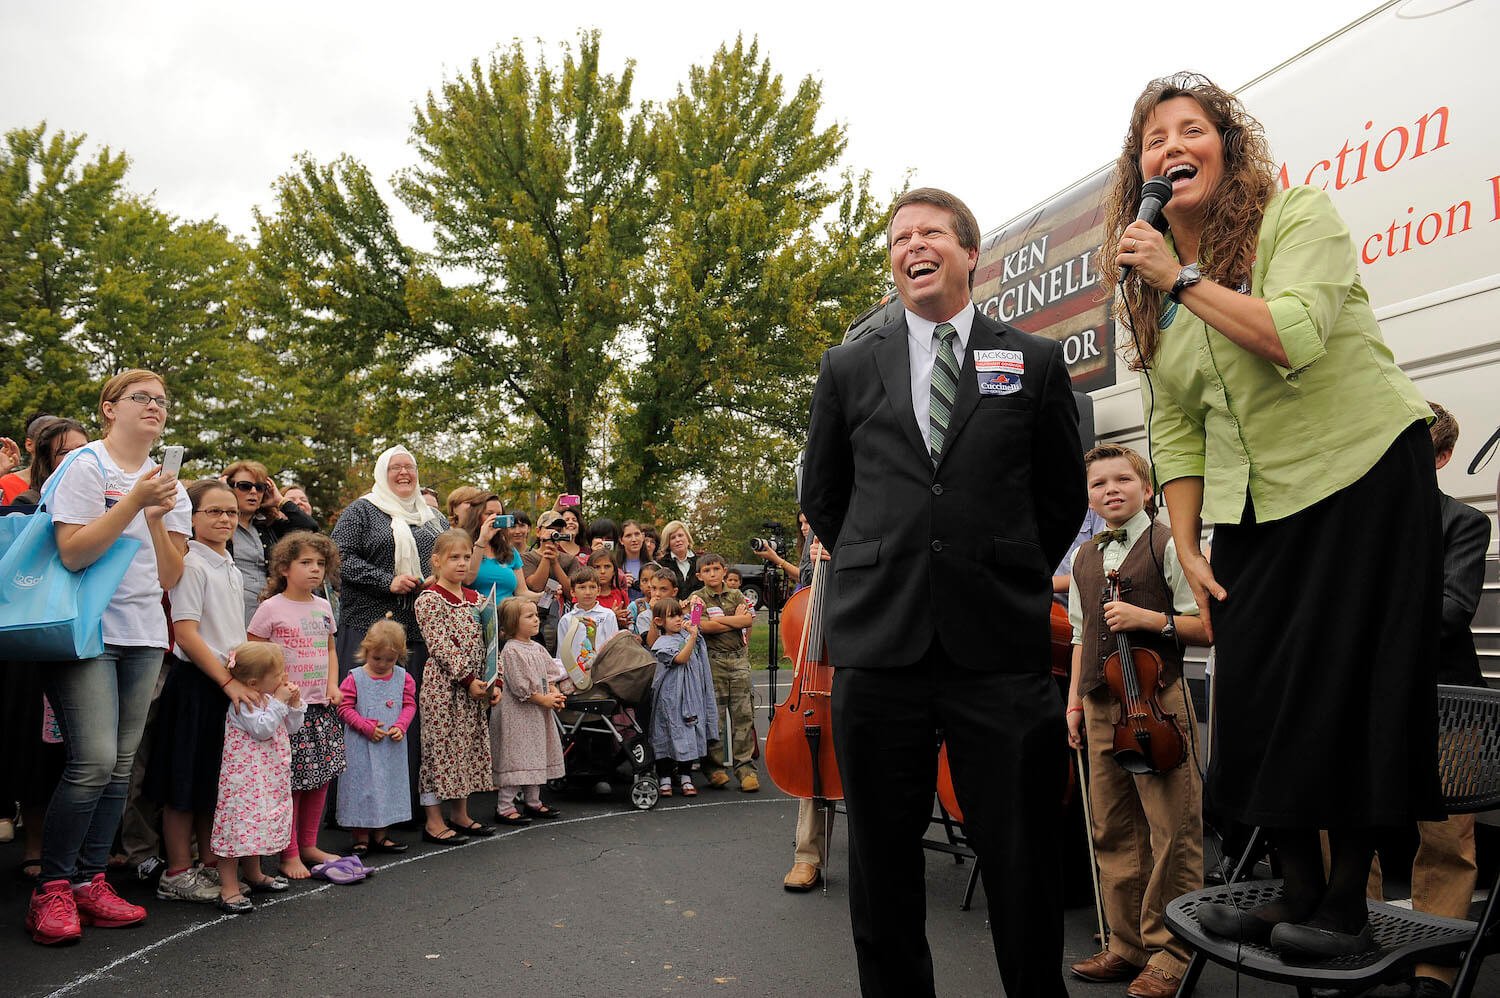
(1226, 247)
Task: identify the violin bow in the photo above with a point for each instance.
(1088, 823)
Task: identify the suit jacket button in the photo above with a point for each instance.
(937, 545)
(937, 489)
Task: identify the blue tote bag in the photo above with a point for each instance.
(47, 613)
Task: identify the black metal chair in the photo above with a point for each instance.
(1469, 758)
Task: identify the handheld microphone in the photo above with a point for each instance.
(1155, 193)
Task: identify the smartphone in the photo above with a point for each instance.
(696, 617)
(568, 500)
(548, 594)
(171, 460)
(504, 521)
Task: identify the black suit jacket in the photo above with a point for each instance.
(964, 551)
(1466, 538)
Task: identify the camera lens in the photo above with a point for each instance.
(757, 544)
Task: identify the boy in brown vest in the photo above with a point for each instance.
(1148, 828)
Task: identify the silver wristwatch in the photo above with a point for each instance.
(1186, 278)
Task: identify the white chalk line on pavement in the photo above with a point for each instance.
(95, 975)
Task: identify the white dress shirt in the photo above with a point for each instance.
(921, 347)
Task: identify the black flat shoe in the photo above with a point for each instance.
(543, 811)
(451, 839)
(1307, 940)
(478, 829)
(512, 819)
(1234, 923)
(388, 844)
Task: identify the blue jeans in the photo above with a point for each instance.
(101, 706)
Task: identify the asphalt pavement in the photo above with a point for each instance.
(683, 899)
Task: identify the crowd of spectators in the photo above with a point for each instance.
(169, 699)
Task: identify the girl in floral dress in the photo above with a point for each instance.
(452, 700)
(254, 813)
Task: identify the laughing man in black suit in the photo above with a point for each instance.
(944, 471)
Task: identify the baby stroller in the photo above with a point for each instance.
(609, 722)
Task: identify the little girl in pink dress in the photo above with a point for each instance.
(254, 813)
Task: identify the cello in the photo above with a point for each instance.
(799, 744)
(1147, 739)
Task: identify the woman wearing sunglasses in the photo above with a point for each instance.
(265, 517)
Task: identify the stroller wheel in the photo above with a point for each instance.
(644, 793)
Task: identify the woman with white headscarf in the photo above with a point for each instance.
(385, 547)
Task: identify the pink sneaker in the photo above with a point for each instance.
(98, 904)
(52, 916)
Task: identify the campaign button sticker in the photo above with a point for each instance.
(999, 383)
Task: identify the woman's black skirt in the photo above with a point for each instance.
(1326, 653)
(183, 771)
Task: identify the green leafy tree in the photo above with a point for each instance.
(331, 282)
(54, 210)
(166, 297)
(536, 182)
(757, 264)
(94, 281)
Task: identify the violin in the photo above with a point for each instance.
(1147, 739)
(799, 744)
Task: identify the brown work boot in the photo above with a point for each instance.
(718, 779)
(1154, 982)
(803, 878)
(1105, 966)
(749, 782)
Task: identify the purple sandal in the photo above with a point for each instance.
(355, 864)
(335, 872)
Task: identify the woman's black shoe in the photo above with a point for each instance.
(478, 829)
(512, 819)
(1239, 924)
(1307, 940)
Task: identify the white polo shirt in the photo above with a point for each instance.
(211, 592)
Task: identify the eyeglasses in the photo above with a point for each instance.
(245, 486)
(214, 513)
(142, 398)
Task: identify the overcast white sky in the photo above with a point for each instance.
(1001, 102)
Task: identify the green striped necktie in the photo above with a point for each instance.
(944, 389)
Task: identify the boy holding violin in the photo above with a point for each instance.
(1147, 813)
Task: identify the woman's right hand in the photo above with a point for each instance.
(403, 584)
(377, 734)
(1201, 577)
(10, 456)
(242, 697)
(486, 531)
(154, 493)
